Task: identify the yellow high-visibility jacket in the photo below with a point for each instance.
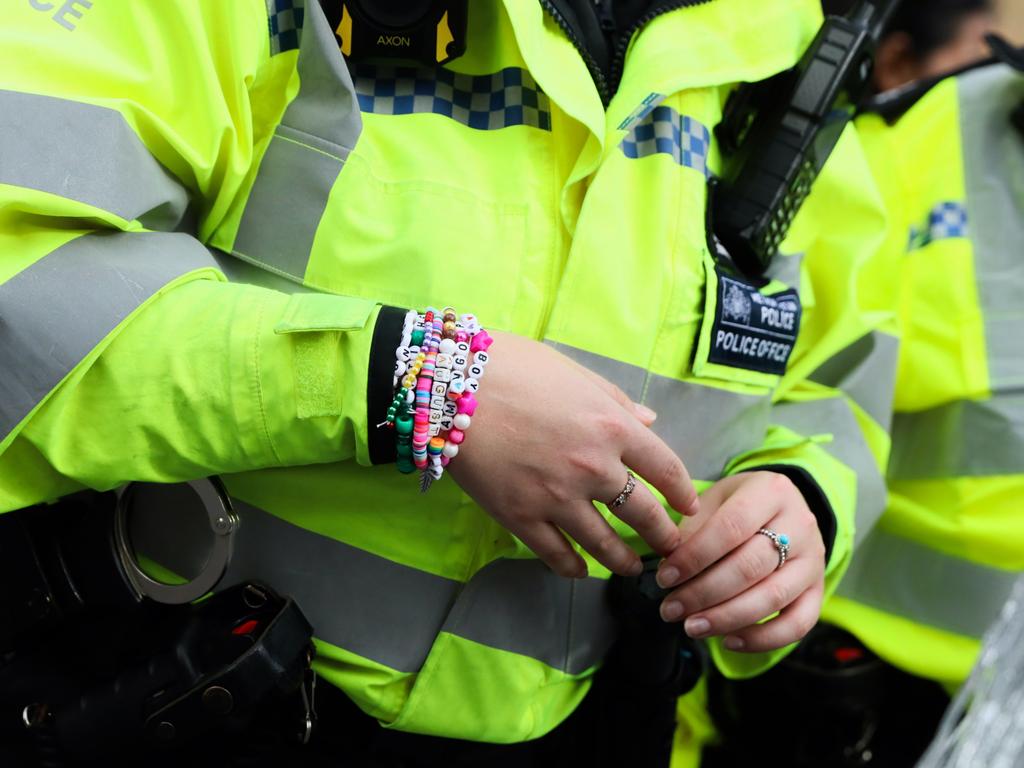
(204, 211)
(934, 573)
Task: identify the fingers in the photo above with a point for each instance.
(647, 516)
(791, 625)
(773, 594)
(551, 546)
(753, 502)
(591, 531)
(744, 567)
(650, 458)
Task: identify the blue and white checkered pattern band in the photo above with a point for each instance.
(485, 102)
(285, 22)
(945, 221)
(665, 131)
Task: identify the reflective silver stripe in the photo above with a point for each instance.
(304, 157)
(994, 176)
(833, 415)
(705, 426)
(522, 607)
(967, 438)
(904, 578)
(391, 613)
(86, 153)
(866, 372)
(53, 313)
(786, 269)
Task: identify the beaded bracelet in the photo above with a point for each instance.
(439, 362)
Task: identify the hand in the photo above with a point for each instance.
(730, 574)
(547, 439)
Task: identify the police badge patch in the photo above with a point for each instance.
(752, 330)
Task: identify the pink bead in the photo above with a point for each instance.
(481, 342)
(461, 336)
(444, 461)
(456, 436)
(424, 383)
(467, 404)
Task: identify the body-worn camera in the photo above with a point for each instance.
(426, 31)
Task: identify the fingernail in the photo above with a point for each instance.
(644, 412)
(693, 509)
(696, 627)
(667, 577)
(671, 610)
(733, 643)
(636, 568)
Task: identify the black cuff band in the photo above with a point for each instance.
(379, 383)
(816, 500)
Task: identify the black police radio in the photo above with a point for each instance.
(426, 31)
(777, 134)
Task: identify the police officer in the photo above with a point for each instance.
(210, 216)
(931, 577)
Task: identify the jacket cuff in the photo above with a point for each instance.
(815, 497)
(380, 383)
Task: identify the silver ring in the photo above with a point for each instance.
(626, 492)
(781, 542)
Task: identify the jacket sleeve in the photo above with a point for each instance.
(831, 415)
(126, 136)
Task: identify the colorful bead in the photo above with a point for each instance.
(467, 404)
(417, 337)
(409, 380)
(481, 342)
(456, 436)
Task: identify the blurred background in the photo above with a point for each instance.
(1011, 19)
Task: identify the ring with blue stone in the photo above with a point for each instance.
(781, 542)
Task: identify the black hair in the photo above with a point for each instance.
(930, 24)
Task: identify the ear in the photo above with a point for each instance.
(896, 63)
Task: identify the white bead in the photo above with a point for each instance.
(447, 422)
(443, 374)
(462, 421)
(468, 319)
(438, 389)
(437, 403)
(481, 358)
(459, 362)
(447, 347)
(457, 375)
(400, 368)
(402, 353)
(462, 348)
(472, 385)
(434, 429)
(443, 361)
(413, 351)
(435, 416)
(450, 408)
(476, 371)
(436, 470)
(451, 450)
(410, 396)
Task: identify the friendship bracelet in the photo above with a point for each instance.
(439, 362)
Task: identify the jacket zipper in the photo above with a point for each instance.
(592, 65)
(607, 86)
(619, 57)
